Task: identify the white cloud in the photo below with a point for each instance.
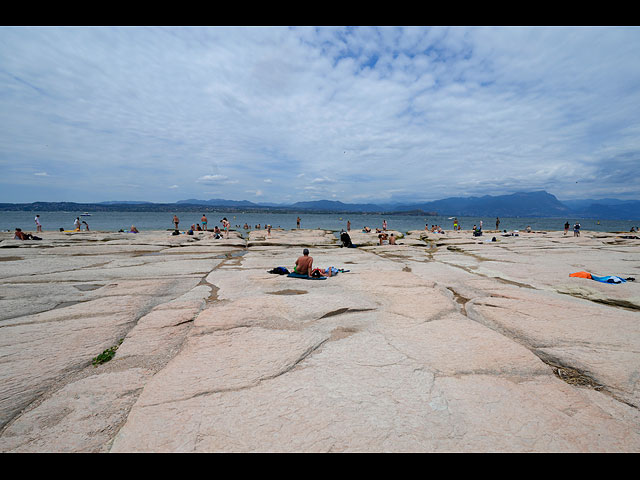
(322, 180)
(174, 186)
(429, 112)
(212, 179)
(41, 174)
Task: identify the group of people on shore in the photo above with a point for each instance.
(217, 232)
(576, 229)
(383, 236)
(77, 224)
(224, 231)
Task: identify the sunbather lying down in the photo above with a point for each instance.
(20, 235)
(324, 272)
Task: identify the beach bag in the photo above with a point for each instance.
(279, 271)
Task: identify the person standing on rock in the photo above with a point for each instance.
(348, 225)
(176, 221)
(566, 228)
(304, 264)
(225, 226)
(38, 225)
(204, 222)
(497, 223)
(298, 222)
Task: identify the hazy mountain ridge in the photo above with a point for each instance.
(521, 204)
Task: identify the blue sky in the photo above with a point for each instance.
(275, 114)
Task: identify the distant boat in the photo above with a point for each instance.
(85, 214)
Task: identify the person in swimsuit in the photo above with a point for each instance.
(324, 272)
(225, 226)
(38, 226)
(304, 264)
(204, 222)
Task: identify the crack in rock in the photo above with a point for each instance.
(306, 354)
(340, 311)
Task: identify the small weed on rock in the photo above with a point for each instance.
(107, 355)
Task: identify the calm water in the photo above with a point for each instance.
(114, 221)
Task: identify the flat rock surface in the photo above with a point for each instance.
(441, 343)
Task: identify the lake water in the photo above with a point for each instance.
(114, 221)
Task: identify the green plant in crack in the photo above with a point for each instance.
(107, 355)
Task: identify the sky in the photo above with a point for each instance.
(287, 114)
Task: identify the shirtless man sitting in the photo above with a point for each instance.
(304, 264)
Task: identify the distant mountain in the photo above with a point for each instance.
(524, 204)
(126, 202)
(628, 210)
(578, 205)
(219, 202)
(335, 206)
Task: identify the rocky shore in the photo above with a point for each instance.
(441, 343)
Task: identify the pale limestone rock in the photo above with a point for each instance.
(442, 343)
(82, 416)
(56, 319)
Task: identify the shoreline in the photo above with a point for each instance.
(146, 222)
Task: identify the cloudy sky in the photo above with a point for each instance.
(281, 115)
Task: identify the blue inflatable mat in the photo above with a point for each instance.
(608, 279)
(299, 275)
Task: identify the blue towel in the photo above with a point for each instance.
(608, 279)
(299, 275)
